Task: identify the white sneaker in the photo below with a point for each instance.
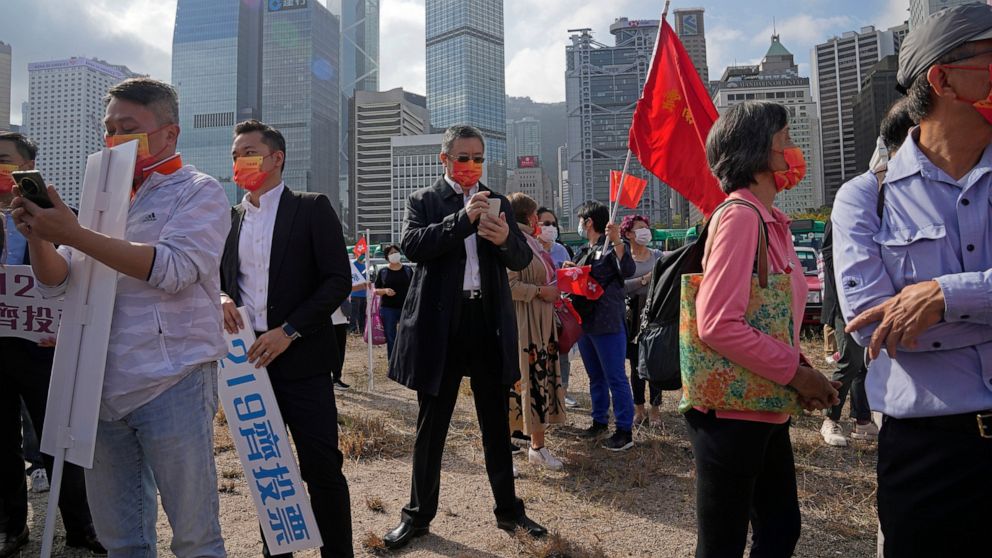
(832, 433)
(544, 457)
(570, 402)
(865, 431)
(516, 473)
(39, 481)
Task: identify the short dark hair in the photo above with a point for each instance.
(390, 248)
(920, 95)
(157, 96)
(896, 125)
(25, 146)
(544, 209)
(740, 142)
(597, 212)
(522, 205)
(460, 131)
(270, 136)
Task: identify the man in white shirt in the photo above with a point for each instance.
(285, 261)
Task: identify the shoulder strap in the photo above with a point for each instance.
(880, 204)
(762, 252)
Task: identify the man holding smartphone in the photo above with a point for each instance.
(459, 321)
(155, 432)
(25, 372)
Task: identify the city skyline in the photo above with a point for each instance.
(140, 35)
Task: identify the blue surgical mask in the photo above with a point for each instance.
(582, 230)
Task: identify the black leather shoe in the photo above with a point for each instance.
(87, 542)
(523, 522)
(403, 534)
(14, 543)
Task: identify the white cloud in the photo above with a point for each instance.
(401, 45)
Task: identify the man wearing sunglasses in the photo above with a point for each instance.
(912, 258)
(458, 321)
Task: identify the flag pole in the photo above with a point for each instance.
(626, 164)
(369, 294)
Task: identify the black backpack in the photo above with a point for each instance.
(658, 338)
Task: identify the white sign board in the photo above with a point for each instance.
(23, 313)
(261, 441)
(76, 388)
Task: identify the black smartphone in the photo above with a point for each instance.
(32, 187)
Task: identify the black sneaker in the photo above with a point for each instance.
(341, 386)
(515, 449)
(519, 437)
(595, 431)
(621, 440)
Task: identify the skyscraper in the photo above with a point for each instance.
(690, 28)
(300, 91)
(878, 93)
(376, 119)
(5, 57)
(216, 67)
(66, 116)
(840, 66)
(466, 76)
(523, 139)
(920, 10)
(359, 68)
(415, 165)
(602, 85)
(777, 79)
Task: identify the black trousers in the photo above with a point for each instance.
(934, 489)
(25, 373)
(637, 384)
(744, 474)
(478, 360)
(851, 373)
(308, 409)
(341, 337)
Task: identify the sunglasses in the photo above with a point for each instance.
(466, 158)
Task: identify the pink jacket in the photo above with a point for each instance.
(724, 292)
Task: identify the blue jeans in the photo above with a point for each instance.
(605, 359)
(390, 319)
(164, 445)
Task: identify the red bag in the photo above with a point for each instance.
(569, 325)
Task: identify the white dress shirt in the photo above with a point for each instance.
(472, 281)
(254, 253)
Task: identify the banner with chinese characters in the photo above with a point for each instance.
(23, 313)
(260, 438)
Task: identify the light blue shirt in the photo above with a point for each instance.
(933, 228)
(17, 245)
(558, 254)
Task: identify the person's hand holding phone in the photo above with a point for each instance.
(57, 224)
(477, 205)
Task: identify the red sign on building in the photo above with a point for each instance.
(527, 162)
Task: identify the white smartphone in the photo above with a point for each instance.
(494, 206)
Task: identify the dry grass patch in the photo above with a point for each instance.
(555, 546)
(373, 544)
(367, 436)
(375, 504)
(227, 487)
(232, 474)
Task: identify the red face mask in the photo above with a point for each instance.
(248, 173)
(466, 174)
(983, 106)
(145, 158)
(6, 180)
(787, 179)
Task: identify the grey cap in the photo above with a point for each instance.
(941, 33)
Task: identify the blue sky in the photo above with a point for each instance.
(138, 33)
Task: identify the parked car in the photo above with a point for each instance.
(814, 297)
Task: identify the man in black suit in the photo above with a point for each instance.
(285, 261)
(25, 371)
(458, 320)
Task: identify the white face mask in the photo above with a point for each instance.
(549, 233)
(394, 258)
(642, 236)
(582, 230)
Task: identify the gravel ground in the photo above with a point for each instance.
(639, 503)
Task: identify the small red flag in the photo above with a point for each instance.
(578, 281)
(633, 189)
(361, 248)
(671, 122)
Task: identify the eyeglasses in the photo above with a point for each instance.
(466, 158)
(961, 67)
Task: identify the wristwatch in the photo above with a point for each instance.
(290, 332)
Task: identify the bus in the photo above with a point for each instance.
(808, 232)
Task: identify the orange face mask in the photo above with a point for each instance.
(466, 174)
(145, 159)
(788, 179)
(6, 180)
(248, 173)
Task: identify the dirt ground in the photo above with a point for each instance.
(638, 503)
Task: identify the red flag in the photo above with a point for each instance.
(633, 189)
(578, 281)
(671, 121)
(361, 248)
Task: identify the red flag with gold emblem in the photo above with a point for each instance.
(671, 121)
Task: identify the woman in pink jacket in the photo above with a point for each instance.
(744, 467)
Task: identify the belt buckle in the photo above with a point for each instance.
(984, 428)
